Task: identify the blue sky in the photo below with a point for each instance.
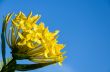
(84, 26)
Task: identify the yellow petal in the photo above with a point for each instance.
(29, 15)
(22, 42)
(29, 44)
(23, 15)
(56, 32)
(46, 53)
(60, 63)
(20, 35)
(41, 26)
(35, 18)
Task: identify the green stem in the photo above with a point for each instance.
(10, 67)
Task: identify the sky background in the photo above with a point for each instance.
(84, 27)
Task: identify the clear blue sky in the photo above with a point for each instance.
(84, 26)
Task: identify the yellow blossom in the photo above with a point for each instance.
(26, 38)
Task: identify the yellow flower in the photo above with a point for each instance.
(34, 41)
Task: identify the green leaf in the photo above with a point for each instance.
(3, 48)
(27, 67)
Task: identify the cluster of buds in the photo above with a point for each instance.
(32, 41)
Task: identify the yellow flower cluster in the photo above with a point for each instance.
(34, 40)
